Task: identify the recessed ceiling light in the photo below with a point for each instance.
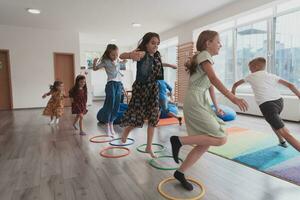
(135, 25)
(33, 11)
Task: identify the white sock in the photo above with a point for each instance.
(52, 121)
(57, 120)
(107, 129)
(111, 126)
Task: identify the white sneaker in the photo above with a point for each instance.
(57, 121)
(51, 122)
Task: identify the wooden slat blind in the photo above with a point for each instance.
(183, 52)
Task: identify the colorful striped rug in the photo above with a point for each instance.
(260, 151)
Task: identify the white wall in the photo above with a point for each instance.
(290, 112)
(31, 58)
(98, 78)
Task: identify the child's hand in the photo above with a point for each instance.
(136, 55)
(188, 62)
(219, 112)
(95, 61)
(241, 103)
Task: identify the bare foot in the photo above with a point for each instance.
(151, 153)
(124, 137)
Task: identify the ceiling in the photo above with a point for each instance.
(99, 21)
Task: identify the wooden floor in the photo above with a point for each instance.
(38, 161)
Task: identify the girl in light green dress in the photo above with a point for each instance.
(204, 128)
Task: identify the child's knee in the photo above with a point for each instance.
(221, 141)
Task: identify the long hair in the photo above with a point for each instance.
(54, 87)
(74, 90)
(145, 40)
(201, 45)
(108, 50)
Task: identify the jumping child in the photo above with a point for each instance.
(204, 128)
(55, 106)
(265, 88)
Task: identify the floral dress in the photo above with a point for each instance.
(55, 106)
(79, 102)
(144, 103)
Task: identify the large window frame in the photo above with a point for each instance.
(234, 23)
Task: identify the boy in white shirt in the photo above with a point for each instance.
(269, 99)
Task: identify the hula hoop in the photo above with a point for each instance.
(199, 196)
(152, 163)
(158, 151)
(103, 154)
(124, 144)
(92, 139)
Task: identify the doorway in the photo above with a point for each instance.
(5, 86)
(64, 70)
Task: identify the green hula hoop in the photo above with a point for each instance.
(152, 163)
(156, 144)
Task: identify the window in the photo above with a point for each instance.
(251, 43)
(168, 51)
(272, 32)
(224, 62)
(255, 16)
(287, 48)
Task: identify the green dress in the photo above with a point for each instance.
(199, 117)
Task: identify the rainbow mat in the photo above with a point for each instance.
(261, 151)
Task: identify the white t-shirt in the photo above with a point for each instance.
(264, 86)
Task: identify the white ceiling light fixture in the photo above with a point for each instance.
(136, 25)
(33, 11)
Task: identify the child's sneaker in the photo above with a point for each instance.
(75, 127)
(51, 122)
(283, 144)
(57, 121)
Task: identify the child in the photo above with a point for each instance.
(269, 99)
(55, 106)
(113, 88)
(79, 95)
(144, 103)
(203, 126)
(164, 87)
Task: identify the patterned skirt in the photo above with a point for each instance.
(55, 107)
(144, 105)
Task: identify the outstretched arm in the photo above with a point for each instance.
(46, 94)
(236, 84)
(169, 65)
(291, 86)
(208, 69)
(133, 55)
(96, 65)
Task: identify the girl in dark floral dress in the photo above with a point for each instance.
(79, 95)
(144, 104)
